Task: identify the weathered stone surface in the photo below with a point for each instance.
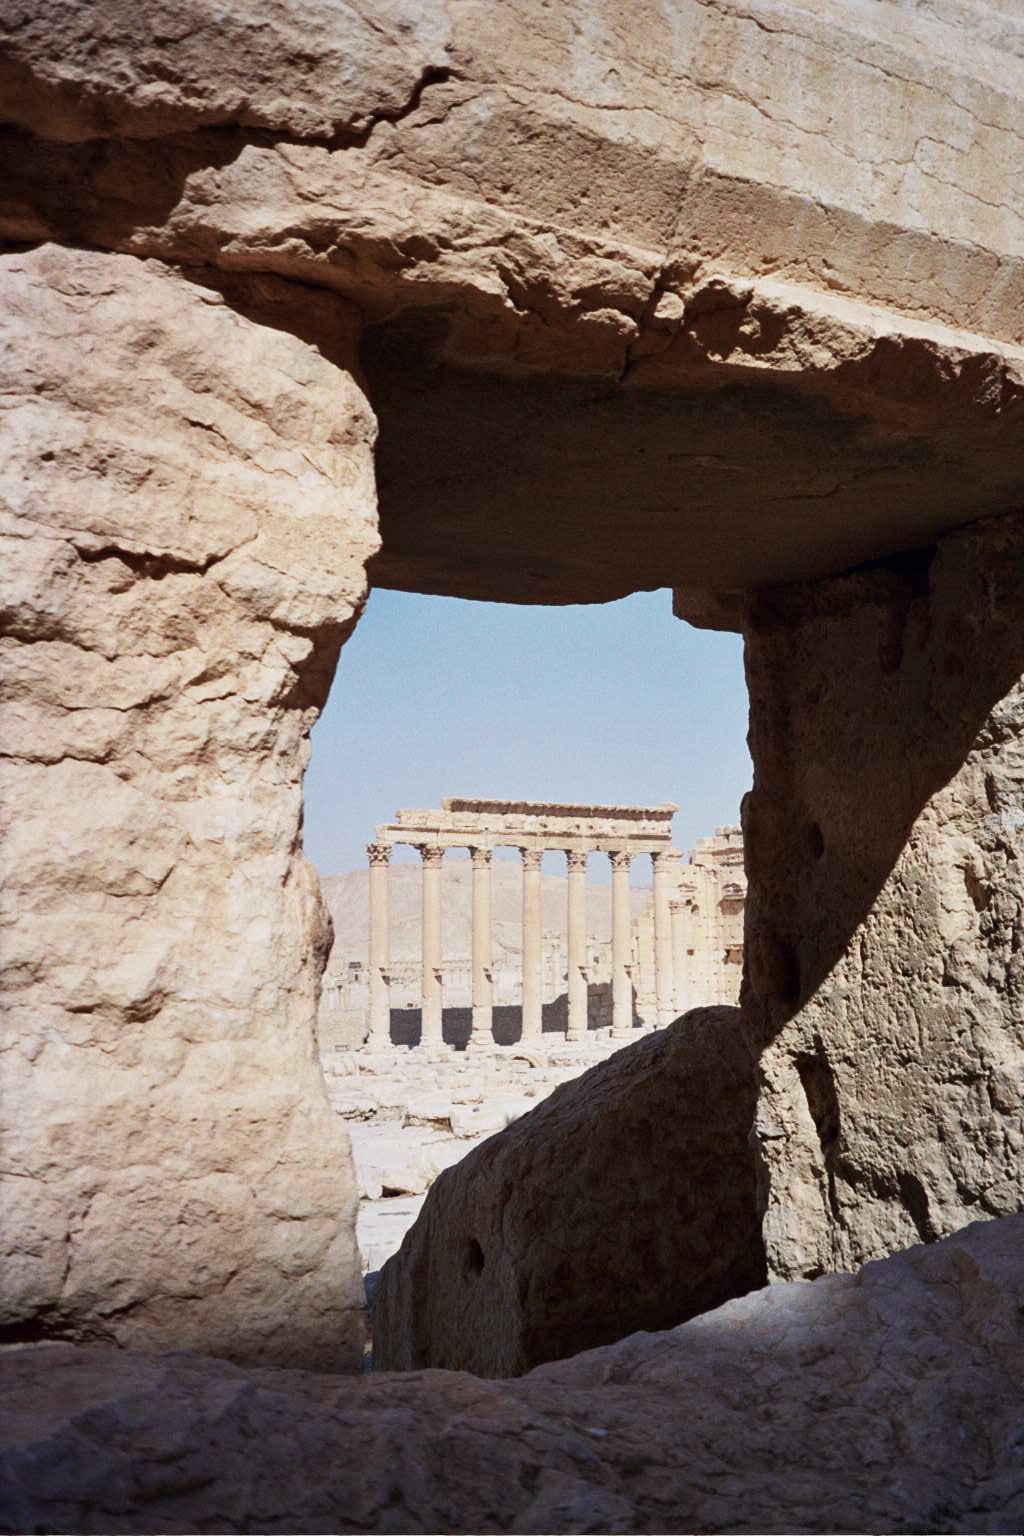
(620, 243)
(884, 837)
(890, 1400)
(188, 504)
(304, 68)
(603, 250)
(626, 1200)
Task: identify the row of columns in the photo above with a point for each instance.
(532, 1003)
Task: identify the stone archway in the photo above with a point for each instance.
(647, 333)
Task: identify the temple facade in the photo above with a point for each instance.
(684, 949)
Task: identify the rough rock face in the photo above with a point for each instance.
(885, 939)
(187, 502)
(602, 248)
(760, 1416)
(303, 68)
(626, 1200)
(714, 294)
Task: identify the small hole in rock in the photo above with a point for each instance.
(474, 1257)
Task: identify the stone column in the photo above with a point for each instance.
(379, 855)
(577, 945)
(664, 873)
(622, 985)
(680, 989)
(431, 1034)
(532, 993)
(483, 994)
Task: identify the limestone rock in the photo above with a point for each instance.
(598, 248)
(596, 260)
(494, 1114)
(306, 68)
(625, 1200)
(187, 502)
(884, 838)
(890, 1400)
(400, 1160)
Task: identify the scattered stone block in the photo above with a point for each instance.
(625, 1200)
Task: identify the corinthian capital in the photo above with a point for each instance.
(531, 857)
(431, 854)
(378, 853)
(620, 857)
(576, 858)
(481, 857)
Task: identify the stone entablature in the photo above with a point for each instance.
(535, 825)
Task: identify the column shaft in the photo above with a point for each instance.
(431, 1031)
(622, 985)
(577, 945)
(532, 994)
(483, 992)
(664, 871)
(680, 988)
(379, 855)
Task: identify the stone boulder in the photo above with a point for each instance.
(884, 992)
(188, 504)
(625, 1200)
(891, 1400)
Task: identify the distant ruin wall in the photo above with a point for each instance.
(707, 909)
(885, 923)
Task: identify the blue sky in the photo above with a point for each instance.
(616, 702)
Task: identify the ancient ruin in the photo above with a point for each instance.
(545, 302)
(620, 831)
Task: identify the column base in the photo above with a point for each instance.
(483, 1024)
(437, 1052)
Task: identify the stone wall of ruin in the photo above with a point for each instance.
(707, 906)
(884, 835)
(188, 507)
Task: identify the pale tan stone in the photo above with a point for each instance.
(188, 505)
(483, 992)
(621, 247)
(706, 901)
(759, 1416)
(379, 1011)
(598, 228)
(531, 948)
(885, 978)
(625, 1200)
(301, 67)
